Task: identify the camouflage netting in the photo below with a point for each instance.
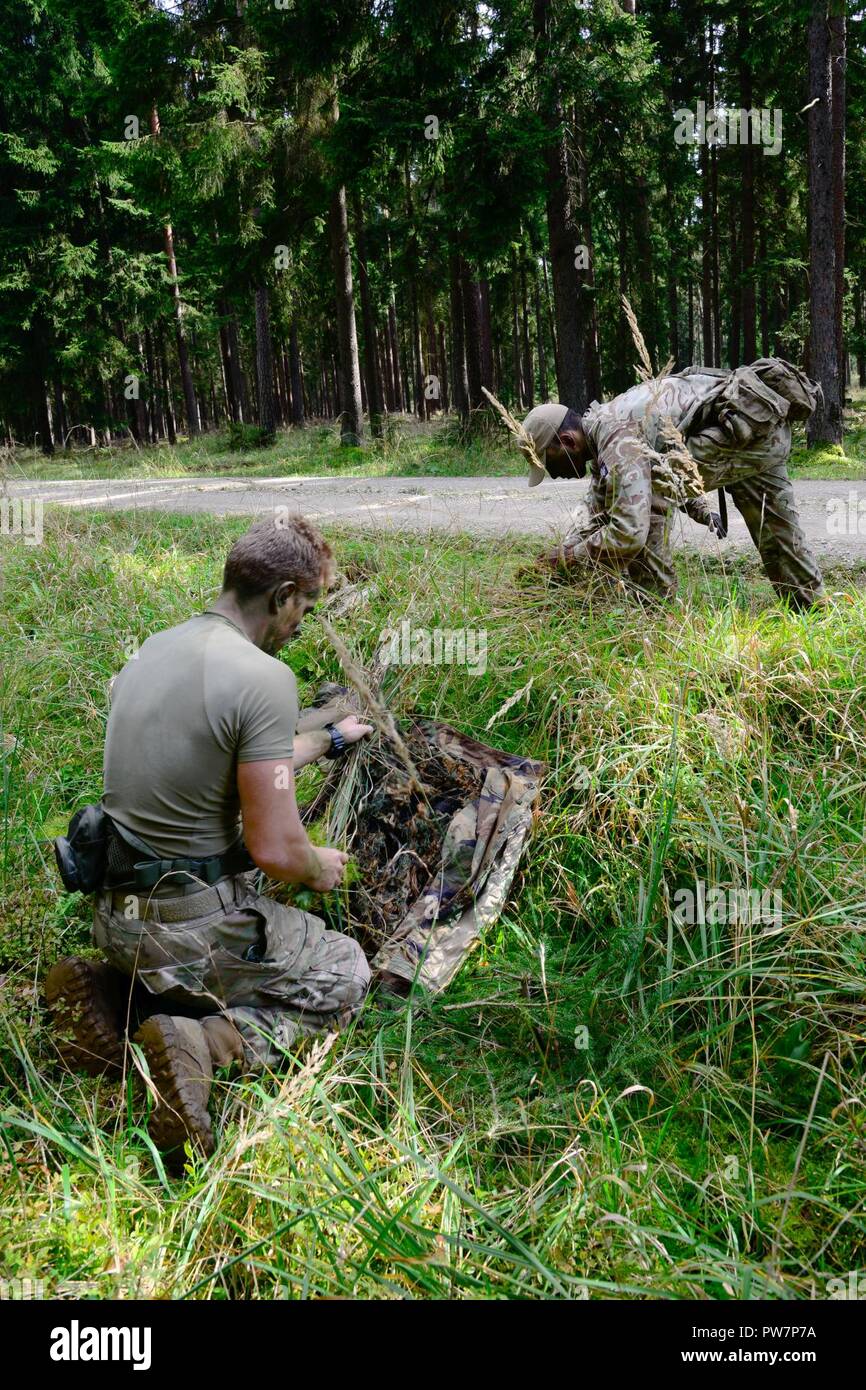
(435, 865)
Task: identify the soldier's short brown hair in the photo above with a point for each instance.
(277, 550)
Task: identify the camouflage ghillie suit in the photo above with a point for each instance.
(737, 428)
(276, 972)
(482, 846)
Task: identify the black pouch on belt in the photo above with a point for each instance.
(81, 853)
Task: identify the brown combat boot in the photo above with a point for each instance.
(179, 1062)
(224, 1040)
(89, 1002)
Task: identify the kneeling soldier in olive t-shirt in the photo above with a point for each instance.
(201, 738)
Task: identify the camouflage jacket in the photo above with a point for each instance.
(734, 423)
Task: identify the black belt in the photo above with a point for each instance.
(146, 873)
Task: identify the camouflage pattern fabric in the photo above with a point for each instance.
(630, 520)
(737, 429)
(277, 973)
(481, 850)
(480, 853)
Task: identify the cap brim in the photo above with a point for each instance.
(536, 475)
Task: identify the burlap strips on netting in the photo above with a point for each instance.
(479, 797)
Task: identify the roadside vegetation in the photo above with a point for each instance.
(608, 1101)
(407, 449)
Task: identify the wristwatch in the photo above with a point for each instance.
(338, 744)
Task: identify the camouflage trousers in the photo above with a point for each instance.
(647, 564)
(757, 480)
(277, 973)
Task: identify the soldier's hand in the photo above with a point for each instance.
(352, 729)
(332, 866)
(716, 526)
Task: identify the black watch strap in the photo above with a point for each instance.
(338, 743)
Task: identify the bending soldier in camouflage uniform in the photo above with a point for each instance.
(203, 727)
(737, 427)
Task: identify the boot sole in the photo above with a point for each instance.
(90, 1033)
(179, 1113)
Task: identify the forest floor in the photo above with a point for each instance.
(410, 450)
(610, 1099)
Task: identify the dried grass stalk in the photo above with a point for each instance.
(523, 437)
(677, 476)
(645, 368)
(372, 706)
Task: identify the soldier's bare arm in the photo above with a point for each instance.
(273, 832)
(310, 746)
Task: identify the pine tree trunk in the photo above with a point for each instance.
(623, 376)
(486, 335)
(707, 334)
(763, 302)
(706, 262)
(298, 413)
(539, 335)
(283, 403)
(167, 400)
(673, 318)
(228, 384)
(201, 394)
(406, 372)
(231, 361)
(398, 402)
(593, 353)
(472, 335)
(44, 420)
(267, 417)
(690, 346)
(825, 424)
(838, 61)
(240, 376)
(528, 374)
(375, 402)
(350, 407)
(551, 319)
(392, 341)
(154, 394)
(335, 386)
(459, 378)
(192, 413)
(747, 207)
(563, 225)
(193, 423)
(715, 239)
(417, 353)
(434, 368)
(647, 315)
(60, 423)
(736, 296)
(443, 367)
(516, 374)
(386, 374)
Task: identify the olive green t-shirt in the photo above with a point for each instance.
(191, 704)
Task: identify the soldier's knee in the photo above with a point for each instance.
(357, 977)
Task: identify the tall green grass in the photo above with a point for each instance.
(406, 449)
(607, 1101)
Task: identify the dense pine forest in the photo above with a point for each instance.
(250, 213)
